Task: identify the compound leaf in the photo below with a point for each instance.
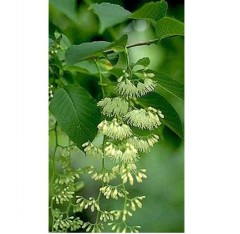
(76, 112)
(171, 117)
(109, 14)
(168, 27)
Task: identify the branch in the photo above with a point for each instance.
(134, 45)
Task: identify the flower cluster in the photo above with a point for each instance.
(65, 195)
(113, 106)
(112, 191)
(144, 119)
(71, 223)
(104, 176)
(92, 150)
(127, 155)
(122, 146)
(129, 89)
(115, 130)
(143, 145)
(86, 203)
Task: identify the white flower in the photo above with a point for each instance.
(130, 154)
(112, 151)
(127, 155)
(144, 119)
(127, 89)
(113, 106)
(111, 191)
(143, 145)
(105, 176)
(147, 86)
(92, 150)
(114, 130)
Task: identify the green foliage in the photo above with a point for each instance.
(143, 62)
(134, 97)
(120, 44)
(76, 112)
(77, 53)
(68, 8)
(152, 11)
(109, 14)
(169, 84)
(168, 27)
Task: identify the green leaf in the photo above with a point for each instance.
(171, 117)
(113, 58)
(143, 62)
(86, 67)
(77, 53)
(169, 84)
(67, 7)
(120, 44)
(152, 11)
(76, 112)
(168, 27)
(52, 28)
(109, 14)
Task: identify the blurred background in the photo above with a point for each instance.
(163, 208)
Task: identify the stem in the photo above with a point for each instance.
(135, 44)
(53, 173)
(143, 43)
(128, 62)
(100, 193)
(101, 78)
(98, 199)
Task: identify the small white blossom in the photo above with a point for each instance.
(92, 150)
(113, 106)
(144, 119)
(111, 191)
(114, 130)
(127, 89)
(147, 86)
(127, 155)
(143, 145)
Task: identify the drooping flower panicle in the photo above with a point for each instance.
(122, 146)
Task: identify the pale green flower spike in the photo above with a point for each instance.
(114, 130)
(113, 106)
